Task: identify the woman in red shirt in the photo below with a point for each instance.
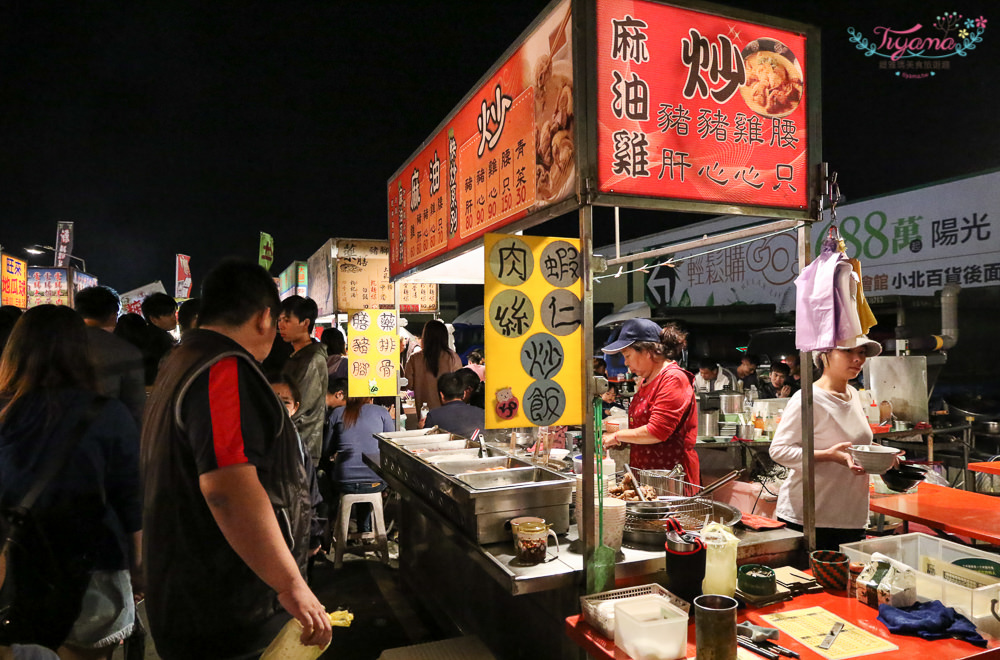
(663, 422)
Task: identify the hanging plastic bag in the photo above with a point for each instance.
(720, 560)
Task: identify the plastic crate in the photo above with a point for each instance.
(604, 618)
(971, 598)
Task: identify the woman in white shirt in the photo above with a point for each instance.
(838, 422)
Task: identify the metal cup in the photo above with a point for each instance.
(715, 627)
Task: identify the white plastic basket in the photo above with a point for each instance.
(973, 599)
(604, 618)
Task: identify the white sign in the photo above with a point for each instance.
(909, 243)
(132, 300)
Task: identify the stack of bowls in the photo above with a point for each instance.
(614, 522)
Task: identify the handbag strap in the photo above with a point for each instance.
(58, 458)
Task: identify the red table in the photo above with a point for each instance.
(951, 510)
(849, 609)
(989, 467)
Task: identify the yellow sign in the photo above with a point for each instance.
(372, 353)
(534, 342)
(14, 276)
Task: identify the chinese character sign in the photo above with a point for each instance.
(909, 243)
(372, 353)
(48, 286)
(533, 293)
(14, 279)
(700, 107)
(265, 254)
(64, 244)
(508, 151)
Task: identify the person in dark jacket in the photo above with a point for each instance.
(119, 364)
(306, 367)
(454, 415)
(89, 516)
(227, 505)
(160, 311)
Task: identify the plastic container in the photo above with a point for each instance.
(955, 589)
(651, 628)
(599, 609)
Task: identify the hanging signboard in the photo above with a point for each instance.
(14, 275)
(132, 300)
(372, 352)
(697, 106)
(507, 151)
(533, 293)
(362, 280)
(82, 281)
(909, 243)
(48, 286)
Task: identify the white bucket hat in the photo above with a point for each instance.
(872, 347)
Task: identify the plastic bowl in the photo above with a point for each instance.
(903, 478)
(874, 459)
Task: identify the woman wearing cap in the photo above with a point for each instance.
(663, 423)
(841, 486)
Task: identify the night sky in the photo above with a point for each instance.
(191, 126)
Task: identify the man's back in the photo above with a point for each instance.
(119, 370)
(457, 417)
(200, 592)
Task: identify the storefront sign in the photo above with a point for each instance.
(697, 106)
(83, 281)
(320, 289)
(909, 243)
(362, 274)
(293, 280)
(373, 353)
(507, 152)
(48, 286)
(533, 341)
(14, 279)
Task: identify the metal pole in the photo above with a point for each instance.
(586, 523)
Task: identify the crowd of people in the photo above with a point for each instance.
(202, 474)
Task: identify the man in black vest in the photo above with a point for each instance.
(227, 507)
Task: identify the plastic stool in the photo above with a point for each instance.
(344, 519)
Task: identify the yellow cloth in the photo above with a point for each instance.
(865, 315)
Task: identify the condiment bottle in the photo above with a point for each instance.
(423, 411)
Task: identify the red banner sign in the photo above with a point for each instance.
(699, 107)
(507, 152)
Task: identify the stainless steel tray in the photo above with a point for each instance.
(465, 464)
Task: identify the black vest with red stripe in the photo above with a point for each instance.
(198, 589)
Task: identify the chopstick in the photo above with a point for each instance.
(759, 650)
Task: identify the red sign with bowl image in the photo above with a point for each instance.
(697, 106)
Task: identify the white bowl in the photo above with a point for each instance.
(558, 454)
(875, 459)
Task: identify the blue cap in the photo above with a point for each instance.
(632, 331)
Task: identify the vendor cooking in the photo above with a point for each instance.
(841, 487)
(663, 423)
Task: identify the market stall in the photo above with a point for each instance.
(598, 104)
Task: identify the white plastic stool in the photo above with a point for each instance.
(344, 519)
